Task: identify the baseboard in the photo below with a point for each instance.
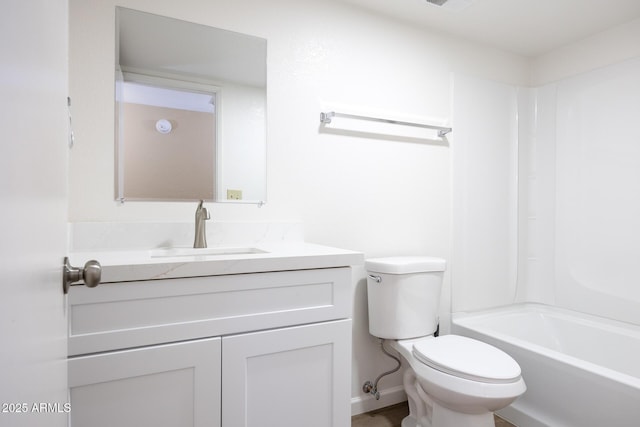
(388, 397)
(518, 417)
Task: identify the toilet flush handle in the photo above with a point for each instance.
(376, 279)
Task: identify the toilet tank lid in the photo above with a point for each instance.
(405, 264)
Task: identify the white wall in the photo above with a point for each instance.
(242, 146)
(377, 195)
(608, 47)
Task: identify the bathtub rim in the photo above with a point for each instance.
(460, 320)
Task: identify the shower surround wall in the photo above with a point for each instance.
(577, 170)
(485, 168)
(597, 202)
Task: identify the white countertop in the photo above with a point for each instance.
(122, 266)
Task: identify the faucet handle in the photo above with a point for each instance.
(202, 214)
(204, 211)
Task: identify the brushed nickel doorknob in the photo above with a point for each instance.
(90, 274)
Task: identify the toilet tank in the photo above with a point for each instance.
(404, 295)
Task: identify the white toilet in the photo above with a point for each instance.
(452, 381)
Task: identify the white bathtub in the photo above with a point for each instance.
(580, 370)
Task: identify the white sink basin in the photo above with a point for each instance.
(184, 252)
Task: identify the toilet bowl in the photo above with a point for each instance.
(457, 381)
(450, 380)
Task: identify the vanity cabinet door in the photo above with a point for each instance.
(290, 377)
(165, 385)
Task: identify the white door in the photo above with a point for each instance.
(33, 212)
(290, 377)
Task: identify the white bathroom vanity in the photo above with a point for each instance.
(258, 337)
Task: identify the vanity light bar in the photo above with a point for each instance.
(325, 118)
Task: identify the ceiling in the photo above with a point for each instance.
(524, 27)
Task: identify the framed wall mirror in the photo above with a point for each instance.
(190, 111)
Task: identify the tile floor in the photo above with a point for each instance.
(392, 416)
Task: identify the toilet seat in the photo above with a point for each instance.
(467, 358)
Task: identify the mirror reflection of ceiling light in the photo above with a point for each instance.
(163, 126)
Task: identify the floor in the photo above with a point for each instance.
(392, 416)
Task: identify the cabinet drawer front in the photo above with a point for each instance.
(133, 314)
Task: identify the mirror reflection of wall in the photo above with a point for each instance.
(182, 58)
(165, 142)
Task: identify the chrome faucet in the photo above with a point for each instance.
(202, 214)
